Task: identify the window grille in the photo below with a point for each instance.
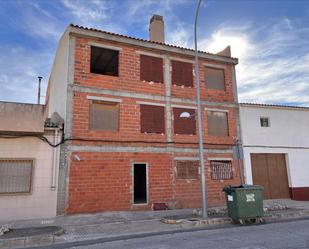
(187, 169)
(221, 170)
(15, 176)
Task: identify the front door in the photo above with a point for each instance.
(269, 170)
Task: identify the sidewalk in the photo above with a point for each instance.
(115, 224)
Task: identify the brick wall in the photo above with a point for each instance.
(102, 181)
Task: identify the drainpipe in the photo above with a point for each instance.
(55, 161)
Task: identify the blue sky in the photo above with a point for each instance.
(270, 38)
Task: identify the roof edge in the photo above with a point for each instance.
(274, 106)
(96, 33)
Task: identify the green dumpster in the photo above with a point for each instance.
(245, 203)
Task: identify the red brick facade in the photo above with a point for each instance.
(103, 182)
(102, 179)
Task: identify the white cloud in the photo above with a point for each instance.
(273, 59)
(41, 28)
(273, 67)
(92, 10)
(36, 21)
(19, 69)
(181, 35)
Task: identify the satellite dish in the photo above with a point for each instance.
(185, 115)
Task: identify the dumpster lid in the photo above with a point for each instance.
(228, 188)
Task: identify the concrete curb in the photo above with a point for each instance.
(32, 241)
(198, 221)
(226, 220)
(287, 215)
(194, 223)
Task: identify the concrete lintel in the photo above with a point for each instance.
(149, 103)
(148, 45)
(101, 45)
(150, 54)
(104, 99)
(182, 60)
(184, 106)
(142, 149)
(214, 66)
(186, 158)
(152, 97)
(215, 109)
(219, 159)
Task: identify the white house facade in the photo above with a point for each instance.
(28, 164)
(276, 149)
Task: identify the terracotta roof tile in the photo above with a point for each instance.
(148, 41)
(275, 105)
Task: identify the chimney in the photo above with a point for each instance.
(156, 29)
(225, 52)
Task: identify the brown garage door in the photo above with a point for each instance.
(269, 170)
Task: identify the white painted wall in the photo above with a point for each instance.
(297, 161)
(288, 134)
(59, 78)
(41, 203)
(288, 127)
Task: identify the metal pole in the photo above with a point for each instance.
(199, 119)
(39, 90)
(239, 156)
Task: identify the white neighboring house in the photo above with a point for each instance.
(28, 165)
(276, 149)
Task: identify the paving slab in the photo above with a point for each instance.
(114, 224)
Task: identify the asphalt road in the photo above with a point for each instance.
(283, 235)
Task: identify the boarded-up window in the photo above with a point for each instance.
(217, 123)
(221, 170)
(152, 119)
(15, 176)
(151, 68)
(104, 61)
(215, 78)
(185, 124)
(182, 73)
(103, 115)
(187, 169)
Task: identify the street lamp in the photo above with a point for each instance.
(199, 118)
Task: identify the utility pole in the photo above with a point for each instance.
(199, 119)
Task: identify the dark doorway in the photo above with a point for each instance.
(140, 183)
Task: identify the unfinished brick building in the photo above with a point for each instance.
(130, 127)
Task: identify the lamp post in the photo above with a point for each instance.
(199, 118)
